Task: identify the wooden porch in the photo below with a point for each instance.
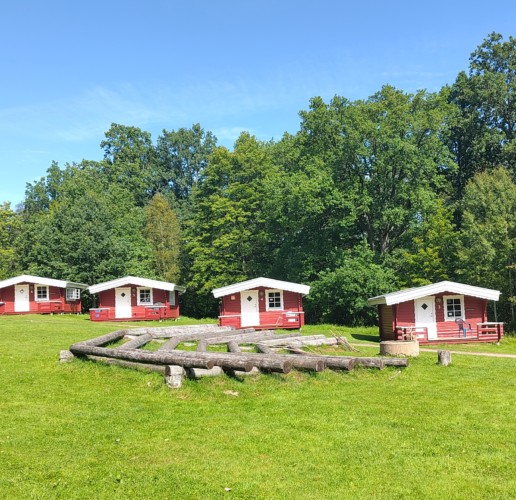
(156, 312)
(484, 332)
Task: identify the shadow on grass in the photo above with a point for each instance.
(366, 338)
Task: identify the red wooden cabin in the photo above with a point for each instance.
(135, 299)
(441, 312)
(36, 295)
(262, 303)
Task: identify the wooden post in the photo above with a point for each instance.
(174, 376)
(444, 358)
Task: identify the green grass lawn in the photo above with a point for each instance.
(87, 430)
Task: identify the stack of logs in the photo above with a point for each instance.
(175, 363)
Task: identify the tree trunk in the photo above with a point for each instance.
(264, 348)
(234, 347)
(180, 358)
(137, 342)
(195, 336)
(280, 341)
(170, 345)
(106, 339)
(128, 364)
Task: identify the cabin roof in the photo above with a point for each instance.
(133, 280)
(435, 288)
(38, 280)
(261, 282)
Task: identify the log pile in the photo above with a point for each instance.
(176, 363)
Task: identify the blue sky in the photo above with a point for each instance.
(70, 69)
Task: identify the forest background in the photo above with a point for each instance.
(369, 196)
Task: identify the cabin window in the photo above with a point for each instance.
(144, 296)
(73, 293)
(454, 307)
(172, 298)
(274, 300)
(41, 292)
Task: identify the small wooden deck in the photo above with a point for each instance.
(484, 332)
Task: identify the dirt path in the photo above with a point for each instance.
(470, 353)
(467, 353)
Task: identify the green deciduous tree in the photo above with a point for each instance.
(182, 157)
(162, 231)
(10, 227)
(488, 237)
(226, 236)
(129, 160)
(340, 295)
(432, 254)
(483, 129)
(392, 159)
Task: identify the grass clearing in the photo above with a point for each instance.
(87, 430)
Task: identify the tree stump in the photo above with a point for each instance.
(174, 376)
(444, 358)
(65, 356)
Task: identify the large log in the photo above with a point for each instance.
(170, 344)
(312, 342)
(263, 362)
(299, 341)
(181, 358)
(168, 331)
(234, 347)
(246, 338)
(183, 337)
(106, 339)
(197, 373)
(404, 362)
(333, 362)
(267, 362)
(369, 362)
(137, 342)
(128, 364)
(264, 348)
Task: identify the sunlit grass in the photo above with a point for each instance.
(87, 430)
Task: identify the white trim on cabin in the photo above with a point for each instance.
(38, 295)
(38, 280)
(139, 300)
(261, 282)
(455, 298)
(433, 289)
(133, 280)
(280, 306)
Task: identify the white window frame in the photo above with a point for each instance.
(138, 290)
(172, 297)
(73, 293)
(462, 310)
(267, 307)
(38, 299)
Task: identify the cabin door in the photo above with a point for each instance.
(250, 314)
(123, 303)
(21, 298)
(425, 315)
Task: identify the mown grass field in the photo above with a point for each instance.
(86, 430)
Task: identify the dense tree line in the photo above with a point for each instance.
(368, 196)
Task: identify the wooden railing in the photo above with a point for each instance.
(412, 333)
(487, 331)
(491, 329)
